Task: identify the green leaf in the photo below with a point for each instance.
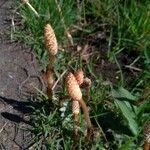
(123, 93)
(129, 115)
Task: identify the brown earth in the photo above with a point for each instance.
(18, 76)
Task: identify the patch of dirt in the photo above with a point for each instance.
(94, 46)
(18, 76)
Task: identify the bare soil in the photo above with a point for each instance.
(18, 76)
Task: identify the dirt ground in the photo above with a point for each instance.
(18, 76)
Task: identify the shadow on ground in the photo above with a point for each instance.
(24, 107)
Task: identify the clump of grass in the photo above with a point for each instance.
(126, 25)
(48, 12)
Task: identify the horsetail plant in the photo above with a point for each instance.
(75, 111)
(79, 75)
(75, 93)
(83, 82)
(52, 48)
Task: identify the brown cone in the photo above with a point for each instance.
(50, 40)
(75, 107)
(79, 75)
(147, 132)
(73, 87)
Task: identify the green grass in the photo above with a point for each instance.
(115, 89)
